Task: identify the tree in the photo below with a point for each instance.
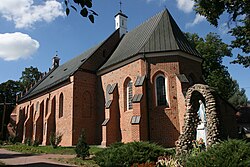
(239, 98)
(29, 76)
(8, 91)
(82, 148)
(215, 74)
(239, 13)
(85, 8)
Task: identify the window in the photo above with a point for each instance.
(161, 94)
(61, 105)
(47, 107)
(37, 106)
(36, 111)
(135, 119)
(129, 95)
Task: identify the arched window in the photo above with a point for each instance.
(47, 107)
(37, 110)
(37, 106)
(61, 105)
(161, 90)
(107, 93)
(129, 95)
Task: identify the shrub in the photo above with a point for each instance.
(35, 143)
(227, 153)
(167, 161)
(55, 139)
(129, 154)
(28, 141)
(82, 148)
(12, 139)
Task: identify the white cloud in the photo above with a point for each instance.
(24, 13)
(14, 46)
(224, 28)
(185, 5)
(198, 18)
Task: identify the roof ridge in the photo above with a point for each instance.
(182, 45)
(160, 15)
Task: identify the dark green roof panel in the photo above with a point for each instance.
(158, 34)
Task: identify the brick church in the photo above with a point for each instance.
(130, 87)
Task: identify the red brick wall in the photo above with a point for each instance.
(181, 104)
(121, 76)
(66, 131)
(188, 66)
(84, 110)
(164, 122)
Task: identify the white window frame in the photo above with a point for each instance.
(166, 90)
(128, 96)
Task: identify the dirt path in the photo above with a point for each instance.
(11, 158)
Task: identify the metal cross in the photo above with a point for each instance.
(120, 6)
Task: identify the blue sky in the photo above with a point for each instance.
(31, 31)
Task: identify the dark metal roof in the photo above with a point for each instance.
(89, 60)
(158, 34)
(60, 74)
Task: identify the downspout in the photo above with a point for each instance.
(147, 92)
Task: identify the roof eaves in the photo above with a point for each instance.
(42, 89)
(31, 89)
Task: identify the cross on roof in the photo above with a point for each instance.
(120, 6)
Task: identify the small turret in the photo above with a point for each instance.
(121, 22)
(55, 61)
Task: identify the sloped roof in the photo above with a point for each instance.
(158, 34)
(90, 60)
(60, 74)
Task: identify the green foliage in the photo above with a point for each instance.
(228, 153)
(130, 153)
(8, 90)
(78, 162)
(239, 13)
(215, 74)
(12, 139)
(82, 148)
(55, 139)
(239, 98)
(28, 141)
(85, 8)
(198, 147)
(168, 161)
(29, 76)
(40, 149)
(35, 143)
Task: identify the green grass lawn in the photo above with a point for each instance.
(47, 149)
(78, 162)
(59, 150)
